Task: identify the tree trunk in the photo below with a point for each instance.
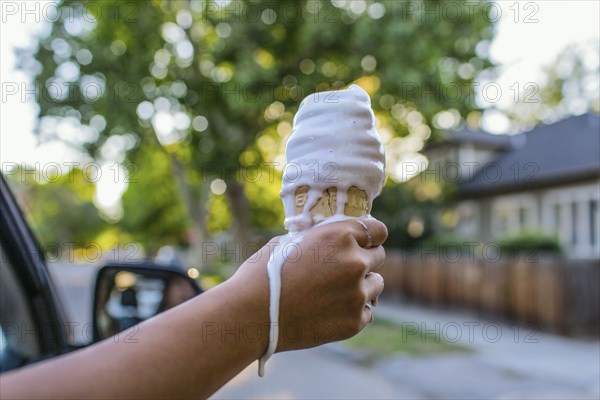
(240, 210)
(195, 204)
(238, 202)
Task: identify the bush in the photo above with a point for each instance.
(444, 241)
(448, 244)
(531, 242)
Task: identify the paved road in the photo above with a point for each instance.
(75, 285)
(312, 374)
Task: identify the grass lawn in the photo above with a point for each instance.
(384, 338)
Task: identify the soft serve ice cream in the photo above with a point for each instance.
(334, 169)
(333, 148)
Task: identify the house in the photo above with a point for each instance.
(544, 180)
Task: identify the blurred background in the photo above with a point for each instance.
(136, 130)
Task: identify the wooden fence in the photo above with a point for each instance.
(557, 295)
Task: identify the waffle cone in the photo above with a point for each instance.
(326, 206)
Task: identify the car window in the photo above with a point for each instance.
(2, 340)
(20, 341)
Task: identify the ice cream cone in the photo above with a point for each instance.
(356, 205)
(333, 140)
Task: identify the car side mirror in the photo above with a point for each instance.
(127, 294)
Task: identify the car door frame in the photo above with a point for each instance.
(29, 263)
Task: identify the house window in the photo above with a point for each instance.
(513, 214)
(522, 218)
(557, 218)
(503, 221)
(573, 223)
(573, 213)
(468, 219)
(593, 222)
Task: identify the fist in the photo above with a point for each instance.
(328, 282)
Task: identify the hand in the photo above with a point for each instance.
(326, 283)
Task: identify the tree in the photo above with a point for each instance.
(56, 206)
(570, 85)
(213, 85)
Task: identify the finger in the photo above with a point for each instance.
(375, 258)
(373, 286)
(369, 232)
(367, 315)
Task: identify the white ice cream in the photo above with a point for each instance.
(333, 144)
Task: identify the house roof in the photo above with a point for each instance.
(563, 152)
(478, 138)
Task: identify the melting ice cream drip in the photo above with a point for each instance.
(335, 167)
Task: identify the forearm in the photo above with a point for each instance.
(187, 352)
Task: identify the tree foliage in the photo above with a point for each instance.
(188, 92)
(571, 85)
(59, 208)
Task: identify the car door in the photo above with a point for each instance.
(32, 324)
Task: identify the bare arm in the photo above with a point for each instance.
(192, 350)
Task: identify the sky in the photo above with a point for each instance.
(529, 36)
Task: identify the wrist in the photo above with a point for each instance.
(248, 297)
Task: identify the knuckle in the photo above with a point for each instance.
(376, 227)
(381, 230)
(345, 237)
(378, 258)
(329, 235)
(382, 253)
(381, 287)
(359, 263)
(362, 265)
(378, 278)
(384, 230)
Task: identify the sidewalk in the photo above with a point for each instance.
(508, 361)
